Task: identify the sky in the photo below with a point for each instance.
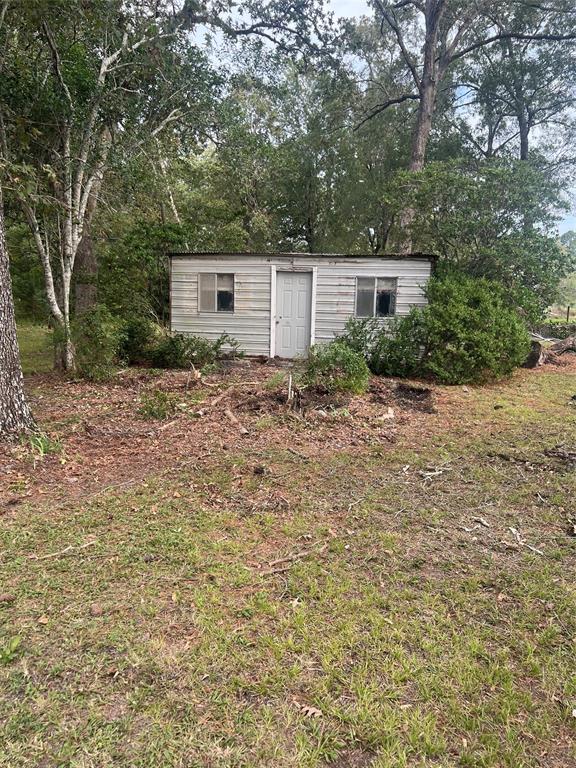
(349, 7)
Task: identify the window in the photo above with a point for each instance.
(216, 292)
(375, 296)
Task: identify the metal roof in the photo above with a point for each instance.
(268, 255)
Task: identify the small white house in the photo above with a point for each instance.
(279, 304)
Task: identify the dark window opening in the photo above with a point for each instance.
(215, 292)
(385, 297)
(225, 293)
(375, 296)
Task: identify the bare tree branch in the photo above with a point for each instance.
(390, 103)
(510, 36)
(395, 27)
(57, 64)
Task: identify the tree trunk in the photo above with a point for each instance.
(15, 415)
(426, 106)
(86, 268)
(86, 261)
(524, 130)
(423, 123)
(566, 345)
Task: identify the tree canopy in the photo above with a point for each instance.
(129, 129)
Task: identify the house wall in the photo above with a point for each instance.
(250, 323)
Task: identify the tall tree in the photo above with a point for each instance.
(517, 86)
(84, 83)
(433, 35)
(15, 415)
(447, 31)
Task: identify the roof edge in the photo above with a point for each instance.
(294, 255)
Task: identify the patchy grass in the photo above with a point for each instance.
(304, 595)
(35, 348)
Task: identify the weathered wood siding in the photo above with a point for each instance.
(250, 322)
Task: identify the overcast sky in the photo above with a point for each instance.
(349, 7)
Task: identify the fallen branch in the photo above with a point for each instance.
(521, 542)
(289, 560)
(167, 425)
(230, 416)
(228, 391)
(540, 354)
(296, 453)
(564, 454)
(566, 345)
(69, 548)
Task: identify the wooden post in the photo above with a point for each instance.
(568, 314)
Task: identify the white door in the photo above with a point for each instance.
(293, 313)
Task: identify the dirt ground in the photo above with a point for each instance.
(104, 440)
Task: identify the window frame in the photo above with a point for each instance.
(215, 276)
(375, 279)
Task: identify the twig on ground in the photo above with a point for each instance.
(69, 548)
(354, 503)
(287, 562)
(192, 372)
(296, 453)
(228, 391)
(167, 425)
(231, 418)
(522, 543)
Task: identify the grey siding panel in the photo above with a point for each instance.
(250, 322)
(335, 300)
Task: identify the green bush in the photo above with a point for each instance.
(180, 351)
(397, 350)
(361, 334)
(137, 337)
(335, 367)
(96, 338)
(471, 333)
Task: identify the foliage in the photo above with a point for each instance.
(42, 444)
(398, 347)
(275, 381)
(180, 351)
(84, 87)
(246, 148)
(489, 220)
(134, 268)
(157, 404)
(9, 652)
(26, 272)
(471, 333)
(335, 367)
(361, 334)
(390, 348)
(138, 334)
(96, 337)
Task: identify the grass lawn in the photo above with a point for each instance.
(35, 348)
(330, 588)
